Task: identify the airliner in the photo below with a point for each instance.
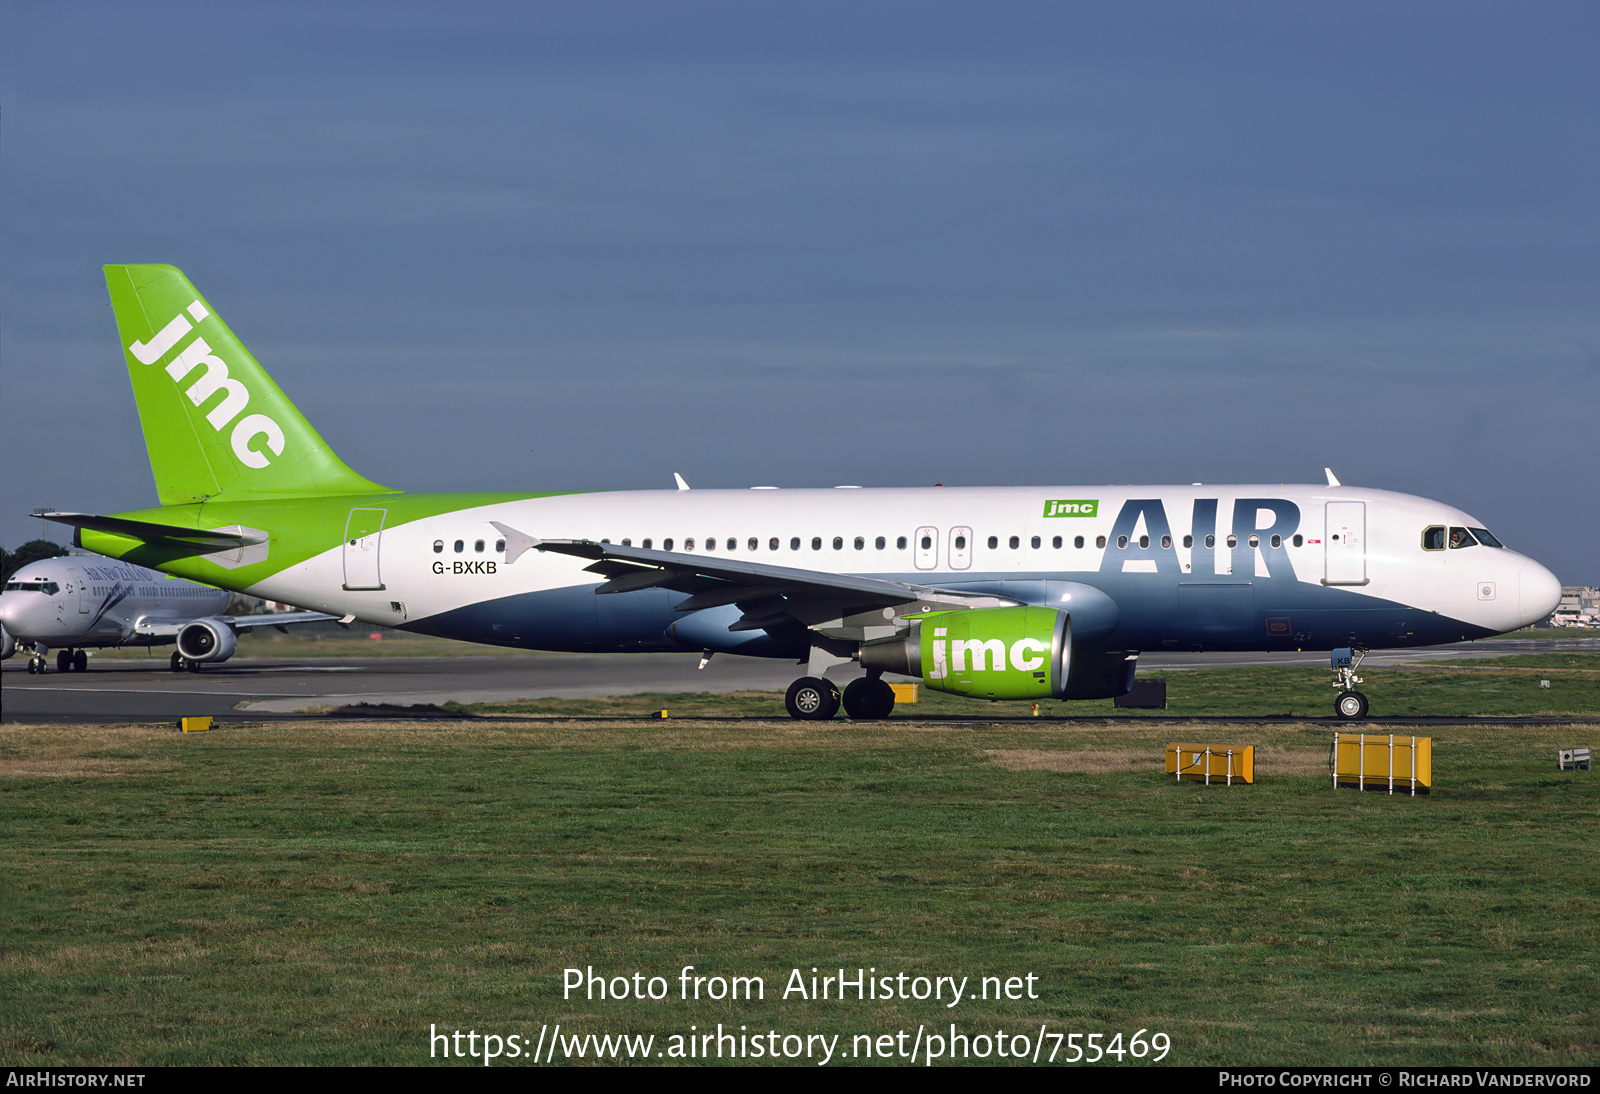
(1011, 593)
(80, 602)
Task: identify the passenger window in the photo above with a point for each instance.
(477, 545)
(459, 546)
(794, 543)
(1233, 541)
(838, 543)
(900, 543)
(438, 549)
(646, 544)
(1277, 541)
(1056, 543)
(1299, 540)
(627, 542)
(688, 544)
(961, 543)
(772, 544)
(1188, 541)
(1099, 541)
(1077, 541)
(666, 544)
(500, 545)
(1211, 541)
(1015, 543)
(711, 543)
(754, 544)
(733, 544)
(860, 543)
(1122, 543)
(994, 541)
(816, 543)
(1144, 542)
(1255, 541)
(1035, 541)
(880, 543)
(1166, 543)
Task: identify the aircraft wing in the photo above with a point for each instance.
(767, 594)
(169, 628)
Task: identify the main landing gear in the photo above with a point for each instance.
(1350, 705)
(66, 661)
(179, 662)
(816, 699)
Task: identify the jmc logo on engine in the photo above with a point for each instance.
(1073, 508)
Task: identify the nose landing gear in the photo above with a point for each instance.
(1350, 705)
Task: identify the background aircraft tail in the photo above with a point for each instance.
(214, 421)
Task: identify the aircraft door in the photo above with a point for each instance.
(1344, 544)
(80, 589)
(363, 532)
(926, 547)
(960, 548)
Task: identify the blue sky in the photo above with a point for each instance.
(584, 246)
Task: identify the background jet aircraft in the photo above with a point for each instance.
(1010, 593)
(81, 602)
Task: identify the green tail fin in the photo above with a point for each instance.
(214, 422)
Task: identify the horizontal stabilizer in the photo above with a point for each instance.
(200, 541)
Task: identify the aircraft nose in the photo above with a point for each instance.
(1541, 592)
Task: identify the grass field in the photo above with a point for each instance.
(316, 892)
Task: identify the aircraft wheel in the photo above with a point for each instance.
(868, 700)
(194, 666)
(812, 699)
(177, 662)
(1350, 705)
(64, 661)
(80, 662)
(35, 665)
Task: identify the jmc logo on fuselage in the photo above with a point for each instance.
(1072, 508)
(215, 378)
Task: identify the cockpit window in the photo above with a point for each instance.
(1485, 538)
(1460, 537)
(48, 588)
(1433, 538)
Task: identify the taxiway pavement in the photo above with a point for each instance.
(140, 689)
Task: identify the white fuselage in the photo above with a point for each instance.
(82, 601)
(1244, 567)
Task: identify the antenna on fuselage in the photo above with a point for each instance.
(681, 484)
(1333, 480)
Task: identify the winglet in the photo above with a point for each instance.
(681, 484)
(1333, 480)
(516, 542)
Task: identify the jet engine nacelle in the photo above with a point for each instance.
(1023, 652)
(8, 645)
(207, 640)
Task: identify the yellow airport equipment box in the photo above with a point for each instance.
(195, 725)
(1376, 761)
(904, 693)
(1222, 764)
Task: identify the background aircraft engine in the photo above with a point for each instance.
(207, 640)
(1002, 653)
(8, 645)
